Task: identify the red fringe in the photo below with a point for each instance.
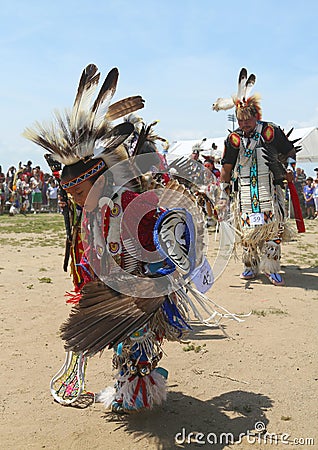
(297, 209)
(141, 385)
(73, 298)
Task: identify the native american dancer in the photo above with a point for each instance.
(252, 165)
(136, 253)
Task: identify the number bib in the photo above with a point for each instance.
(203, 277)
(256, 218)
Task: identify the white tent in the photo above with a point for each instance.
(184, 148)
(308, 141)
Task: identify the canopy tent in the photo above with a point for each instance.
(308, 141)
(185, 148)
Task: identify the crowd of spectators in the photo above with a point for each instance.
(28, 189)
(310, 191)
(307, 187)
(307, 190)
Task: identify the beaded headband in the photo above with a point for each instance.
(83, 177)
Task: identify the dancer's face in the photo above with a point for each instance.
(80, 192)
(87, 194)
(247, 125)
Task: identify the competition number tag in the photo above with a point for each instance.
(203, 277)
(257, 218)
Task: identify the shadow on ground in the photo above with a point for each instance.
(232, 413)
(294, 276)
(307, 280)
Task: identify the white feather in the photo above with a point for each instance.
(84, 104)
(241, 83)
(249, 85)
(106, 396)
(155, 393)
(71, 135)
(223, 104)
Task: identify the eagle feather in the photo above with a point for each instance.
(72, 135)
(241, 83)
(124, 107)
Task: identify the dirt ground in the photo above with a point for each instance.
(265, 376)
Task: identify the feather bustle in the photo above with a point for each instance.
(105, 317)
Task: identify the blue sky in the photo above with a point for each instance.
(179, 55)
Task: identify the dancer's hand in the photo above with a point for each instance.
(289, 176)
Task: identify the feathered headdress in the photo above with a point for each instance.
(86, 132)
(245, 106)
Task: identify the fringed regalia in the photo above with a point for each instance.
(136, 255)
(258, 208)
(257, 158)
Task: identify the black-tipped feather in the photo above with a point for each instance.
(117, 135)
(107, 90)
(249, 85)
(87, 85)
(241, 83)
(72, 135)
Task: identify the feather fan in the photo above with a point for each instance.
(105, 317)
